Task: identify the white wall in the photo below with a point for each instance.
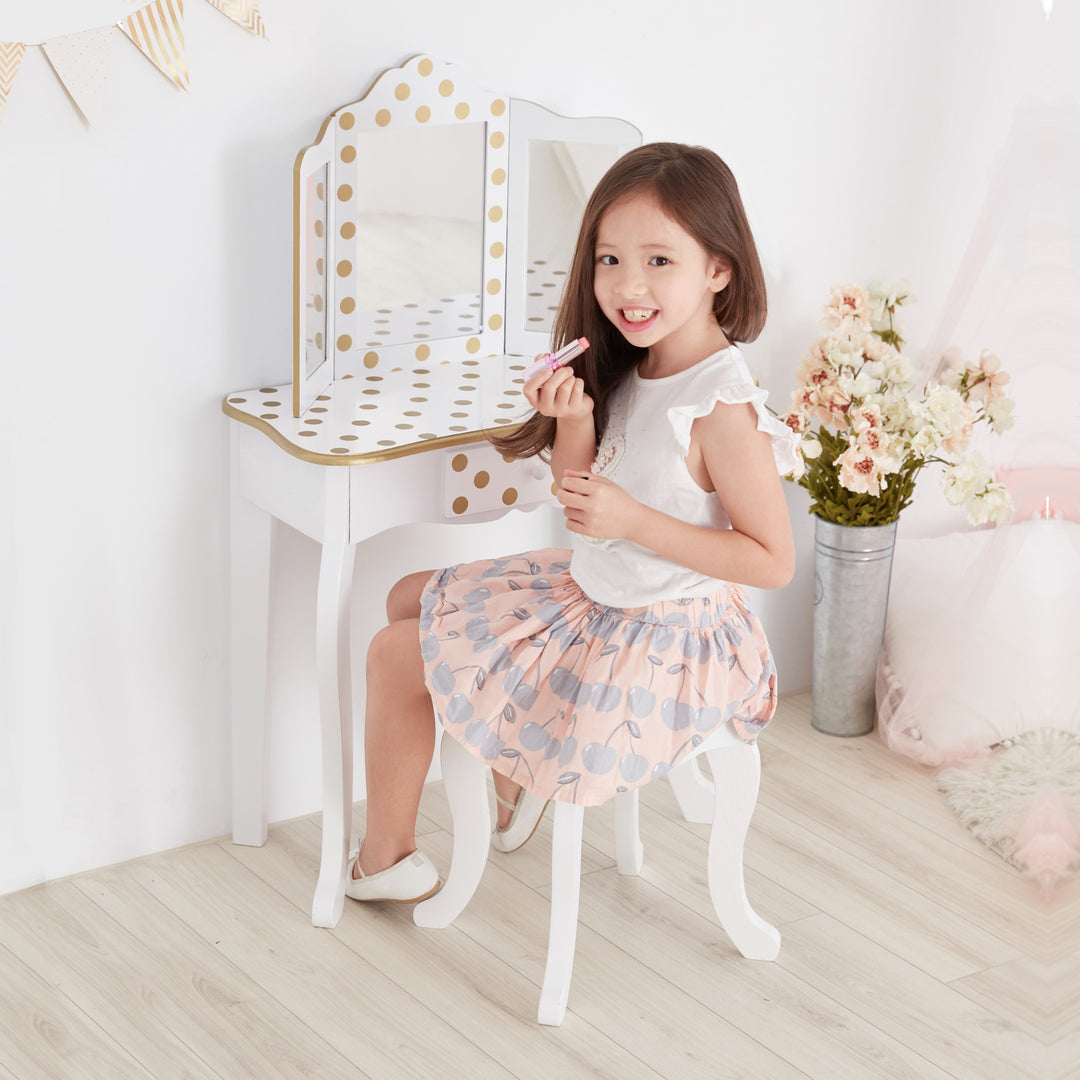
(145, 271)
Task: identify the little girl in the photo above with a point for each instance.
(579, 674)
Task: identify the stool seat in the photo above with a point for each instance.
(736, 770)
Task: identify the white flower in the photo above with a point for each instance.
(1000, 413)
(966, 480)
(991, 504)
(810, 448)
(925, 441)
(898, 369)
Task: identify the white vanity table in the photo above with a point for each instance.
(433, 225)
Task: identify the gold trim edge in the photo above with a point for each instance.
(370, 458)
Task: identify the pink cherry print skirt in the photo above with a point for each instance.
(575, 700)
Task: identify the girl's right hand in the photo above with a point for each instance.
(560, 394)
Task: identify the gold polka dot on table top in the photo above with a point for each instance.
(423, 114)
(319, 228)
(344, 342)
(497, 249)
(505, 405)
(498, 176)
(461, 504)
(469, 388)
(516, 367)
(493, 286)
(509, 496)
(373, 378)
(361, 423)
(238, 401)
(554, 488)
(403, 427)
(481, 479)
(460, 415)
(470, 375)
(344, 193)
(464, 401)
(346, 120)
(446, 88)
(471, 363)
(421, 371)
(497, 139)
(401, 91)
(472, 345)
(314, 408)
(425, 67)
(412, 412)
(313, 423)
(427, 435)
(268, 416)
(421, 386)
(348, 305)
(508, 458)
(458, 427)
(371, 391)
(368, 405)
(387, 442)
(271, 404)
(498, 107)
(344, 268)
(323, 397)
(495, 322)
(419, 400)
(382, 117)
(348, 230)
(348, 438)
(268, 389)
(348, 154)
(422, 352)
(339, 449)
(502, 420)
(308, 433)
(495, 213)
(461, 110)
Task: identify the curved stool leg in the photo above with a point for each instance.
(629, 853)
(737, 773)
(693, 792)
(466, 790)
(565, 889)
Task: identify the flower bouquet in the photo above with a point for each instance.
(867, 428)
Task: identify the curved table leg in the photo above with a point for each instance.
(333, 665)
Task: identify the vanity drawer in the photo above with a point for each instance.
(478, 479)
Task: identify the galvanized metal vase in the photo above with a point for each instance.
(852, 564)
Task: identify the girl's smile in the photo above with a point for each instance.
(656, 283)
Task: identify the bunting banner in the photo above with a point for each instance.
(81, 60)
(11, 55)
(244, 12)
(81, 63)
(158, 31)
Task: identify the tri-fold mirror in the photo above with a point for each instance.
(435, 220)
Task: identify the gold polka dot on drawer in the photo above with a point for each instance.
(446, 88)
(425, 67)
(493, 286)
(370, 359)
(461, 504)
(461, 110)
(509, 496)
(344, 193)
(422, 352)
(348, 154)
(459, 463)
(498, 107)
(346, 120)
(401, 91)
(347, 305)
(481, 479)
(423, 114)
(382, 117)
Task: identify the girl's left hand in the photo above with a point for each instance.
(598, 507)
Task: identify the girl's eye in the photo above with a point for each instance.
(659, 260)
(607, 260)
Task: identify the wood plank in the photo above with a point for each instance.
(172, 986)
(480, 995)
(44, 1036)
(967, 1040)
(651, 1017)
(363, 1014)
(941, 943)
(791, 1016)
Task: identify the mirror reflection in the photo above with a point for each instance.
(315, 273)
(419, 233)
(562, 176)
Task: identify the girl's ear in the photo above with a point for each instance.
(721, 276)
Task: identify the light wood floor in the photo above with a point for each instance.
(909, 951)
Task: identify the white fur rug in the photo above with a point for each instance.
(1024, 802)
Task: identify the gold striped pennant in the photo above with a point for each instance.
(11, 56)
(244, 12)
(81, 62)
(158, 30)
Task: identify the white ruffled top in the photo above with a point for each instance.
(644, 451)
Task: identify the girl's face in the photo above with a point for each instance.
(656, 283)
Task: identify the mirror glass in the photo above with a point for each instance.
(419, 233)
(315, 272)
(562, 176)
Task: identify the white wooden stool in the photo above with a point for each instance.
(736, 768)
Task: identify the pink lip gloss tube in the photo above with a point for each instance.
(554, 361)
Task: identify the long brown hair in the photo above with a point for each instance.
(696, 189)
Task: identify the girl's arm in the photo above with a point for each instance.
(562, 395)
(758, 550)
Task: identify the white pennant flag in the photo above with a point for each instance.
(81, 62)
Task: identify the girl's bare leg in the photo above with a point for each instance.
(399, 735)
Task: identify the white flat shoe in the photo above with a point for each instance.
(527, 812)
(409, 880)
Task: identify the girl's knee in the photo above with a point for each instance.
(394, 652)
(403, 600)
